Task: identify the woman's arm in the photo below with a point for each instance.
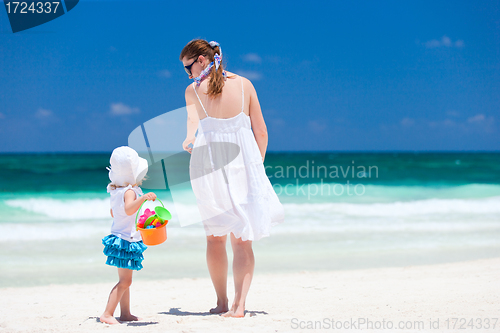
(257, 119)
(192, 119)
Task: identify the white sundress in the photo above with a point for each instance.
(234, 196)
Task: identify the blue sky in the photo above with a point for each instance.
(330, 76)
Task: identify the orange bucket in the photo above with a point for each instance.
(154, 236)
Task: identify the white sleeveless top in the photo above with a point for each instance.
(237, 197)
(123, 225)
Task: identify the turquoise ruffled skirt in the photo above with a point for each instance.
(122, 253)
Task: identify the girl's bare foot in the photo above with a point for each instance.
(221, 307)
(107, 319)
(129, 317)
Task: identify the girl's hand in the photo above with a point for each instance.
(186, 143)
(149, 196)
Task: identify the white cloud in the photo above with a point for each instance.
(476, 119)
(251, 75)
(446, 123)
(122, 109)
(316, 126)
(252, 57)
(306, 62)
(474, 123)
(277, 121)
(407, 121)
(432, 44)
(444, 42)
(160, 121)
(165, 73)
(43, 113)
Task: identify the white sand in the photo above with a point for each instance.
(469, 290)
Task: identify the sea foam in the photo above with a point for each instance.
(88, 209)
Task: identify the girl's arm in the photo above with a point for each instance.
(257, 119)
(132, 203)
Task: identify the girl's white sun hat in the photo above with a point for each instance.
(127, 168)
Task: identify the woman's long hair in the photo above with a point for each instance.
(198, 47)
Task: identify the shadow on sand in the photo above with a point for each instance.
(140, 323)
(178, 312)
(128, 323)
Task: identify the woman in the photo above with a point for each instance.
(235, 198)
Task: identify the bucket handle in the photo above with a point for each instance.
(139, 210)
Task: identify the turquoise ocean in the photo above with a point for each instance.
(342, 211)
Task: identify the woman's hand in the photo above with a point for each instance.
(186, 143)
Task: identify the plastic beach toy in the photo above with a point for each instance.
(144, 217)
(152, 224)
(163, 213)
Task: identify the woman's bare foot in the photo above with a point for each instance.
(239, 312)
(129, 318)
(107, 319)
(221, 307)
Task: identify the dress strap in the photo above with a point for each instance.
(199, 99)
(242, 95)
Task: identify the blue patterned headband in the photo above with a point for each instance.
(208, 69)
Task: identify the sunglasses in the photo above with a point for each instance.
(188, 68)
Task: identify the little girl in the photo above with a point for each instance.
(124, 246)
